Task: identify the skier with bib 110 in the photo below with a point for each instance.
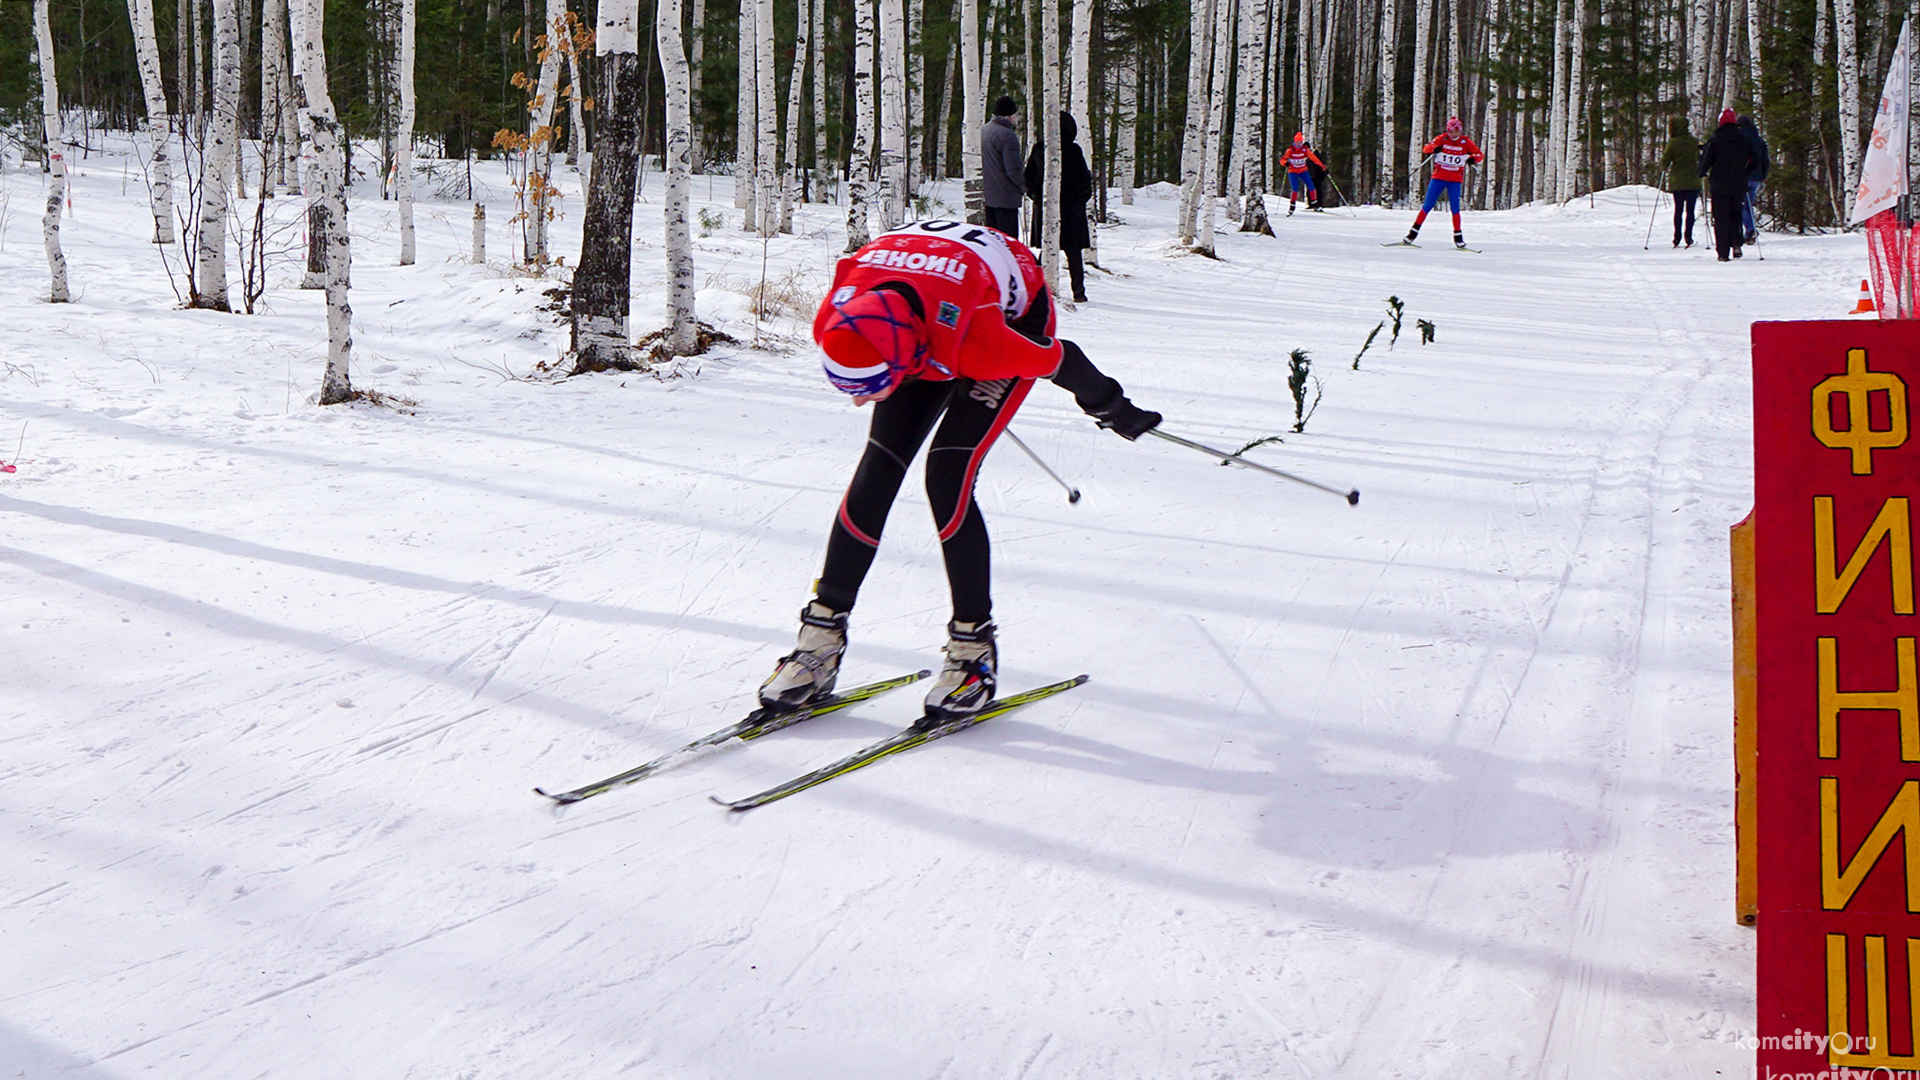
(1296, 158)
(939, 322)
(1450, 151)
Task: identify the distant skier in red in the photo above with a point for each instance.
(1296, 158)
(943, 327)
(1450, 152)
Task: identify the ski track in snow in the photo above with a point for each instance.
(1438, 786)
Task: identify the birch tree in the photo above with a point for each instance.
(1389, 65)
(403, 135)
(1575, 151)
(1417, 134)
(158, 125)
(818, 174)
(767, 130)
(974, 112)
(893, 113)
(1127, 98)
(209, 288)
(859, 164)
(1847, 73)
(1048, 214)
(539, 152)
(328, 188)
(790, 181)
(682, 334)
(56, 159)
(1199, 56)
(602, 282)
(1216, 122)
(699, 34)
(746, 140)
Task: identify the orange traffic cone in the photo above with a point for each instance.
(1865, 304)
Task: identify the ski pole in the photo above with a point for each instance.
(1073, 493)
(1648, 246)
(1352, 497)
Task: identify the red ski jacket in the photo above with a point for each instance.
(1297, 157)
(1450, 156)
(973, 281)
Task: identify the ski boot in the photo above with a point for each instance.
(966, 683)
(1289, 207)
(1459, 240)
(1412, 235)
(807, 674)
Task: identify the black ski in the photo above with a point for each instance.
(927, 730)
(1463, 247)
(762, 721)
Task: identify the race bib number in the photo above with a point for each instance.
(992, 249)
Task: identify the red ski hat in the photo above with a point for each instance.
(1299, 138)
(1729, 117)
(1453, 123)
(872, 342)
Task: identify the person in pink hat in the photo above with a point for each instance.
(1451, 150)
(1724, 163)
(942, 327)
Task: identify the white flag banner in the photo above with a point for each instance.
(1883, 175)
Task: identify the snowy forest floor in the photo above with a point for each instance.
(1438, 786)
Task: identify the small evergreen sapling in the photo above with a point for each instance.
(1426, 331)
(1395, 311)
(1299, 366)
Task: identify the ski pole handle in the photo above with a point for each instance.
(1352, 497)
(1073, 493)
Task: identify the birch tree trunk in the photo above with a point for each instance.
(790, 179)
(972, 112)
(1389, 65)
(1246, 69)
(293, 131)
(766, 99)
(1754, 82)
(209, 288)
(159, 126)
(938, 165)
(893, 113)
(682, 336)
(1847, 64)
(602, 282)
(1126, 122)
(819, 173)
(1199, 57)
(1417, 136)
(746, 141)
(1079, 53)
(1576, 148)
(540, 189)
(698, 132)
(1222, 74)
(1698, 36)
(913, 57)
(859, 163)
(329, 195)
(273, 63)
(576, 107)
(403, 134)
(1048, 214)
(56, 158)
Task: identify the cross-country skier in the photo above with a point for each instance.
(939, 322)
(1296, 158)
(1450, 152)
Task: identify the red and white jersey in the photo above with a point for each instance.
(1297, 157)
(972, 281)
(1450, 156)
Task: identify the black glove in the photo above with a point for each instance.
(1126, 419)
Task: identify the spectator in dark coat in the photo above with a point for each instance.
(1076, 190)
(1724, 163)
(1001, 181)
(1682, 165)
(1756, 175)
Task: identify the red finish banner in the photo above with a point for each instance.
(1838, 698)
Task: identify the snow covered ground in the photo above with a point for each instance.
(1437, 786)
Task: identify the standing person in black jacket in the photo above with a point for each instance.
(1076, 190)
(1756, 175)
(1002, 184)
(1724, 164)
